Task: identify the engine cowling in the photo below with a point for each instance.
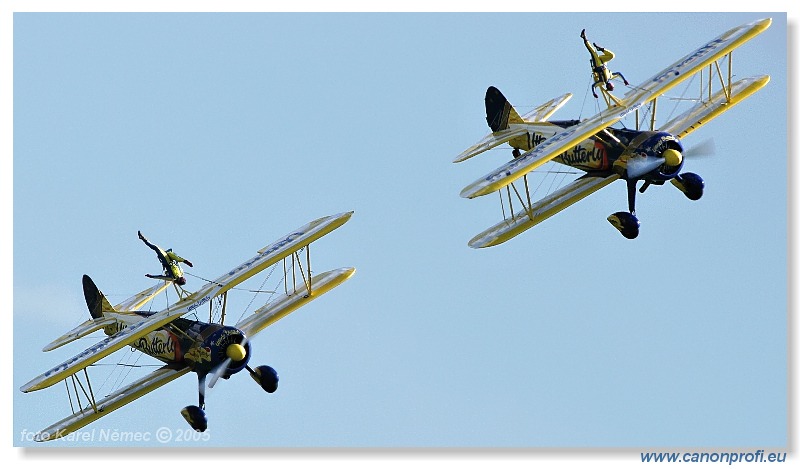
(215, 348)
(654, 156)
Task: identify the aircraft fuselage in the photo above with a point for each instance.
(196, 344)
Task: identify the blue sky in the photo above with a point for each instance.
(215, 134)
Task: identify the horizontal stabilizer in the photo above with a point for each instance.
(82, 330)
(541, 210)
(544, 111)
(490, 141)
(137, 301)
(540, 114)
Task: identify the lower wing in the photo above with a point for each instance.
(723, 100)
(112, 402)
(275, 310)
(541, 210)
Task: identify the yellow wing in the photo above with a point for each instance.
(541, 210)
(112, 402)
(723, 100)
(275, 310)
(278, 250)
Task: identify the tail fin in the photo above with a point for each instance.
(499, 112)
(95, 300)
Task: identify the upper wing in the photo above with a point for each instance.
(111, 402)
(694, 61)
(544, 111)
(541, 210)
(703, 112)
(275, 310)
(266, 257)
(634, 99)
(277, 251)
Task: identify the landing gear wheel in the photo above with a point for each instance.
(516, 153)
(196, 417)
(690, 184)
(626, 223)
(266, 377)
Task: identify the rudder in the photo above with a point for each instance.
(499, 112)
(95, 300)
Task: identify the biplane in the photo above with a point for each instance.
(602, 153)
(210, 349)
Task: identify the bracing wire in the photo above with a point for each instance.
(234, 288)
(261, 290)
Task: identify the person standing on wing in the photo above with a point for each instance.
(169, 261)
(600, 72)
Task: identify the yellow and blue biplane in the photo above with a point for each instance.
(210, 349)
(603, 153)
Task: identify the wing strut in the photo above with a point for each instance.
(224, 304)
(526, 203)
(88, 395)
(297, 265)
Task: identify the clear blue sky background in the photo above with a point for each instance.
(215, 134)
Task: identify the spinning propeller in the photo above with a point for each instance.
(234, 353)
(638, 167)
(705, 148)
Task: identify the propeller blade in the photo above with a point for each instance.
(220, 369)
(217, 373)
(641, 166)
(707, 147)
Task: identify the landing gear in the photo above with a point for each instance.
(266, 377)
(195, 415)
(626, 222)
(690, 184)
(516, 153)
